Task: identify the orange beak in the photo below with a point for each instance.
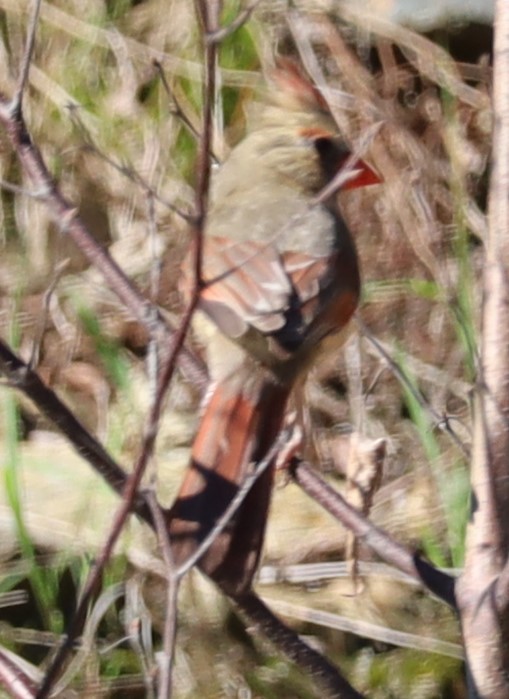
(362, 176)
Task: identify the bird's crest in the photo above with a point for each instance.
(294, 88)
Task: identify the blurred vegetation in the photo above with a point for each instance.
(117, 143)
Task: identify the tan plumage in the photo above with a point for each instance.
(281, 275)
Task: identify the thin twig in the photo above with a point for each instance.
(444, 424)
(379, 541)
(208, 14)
(126, 170)
(234, 505)
(14, 678)
(319, 669)
(129, 496)
(179, 111)
(16, 189)
(67, 219)
(170, 622)
(17, 100)
(224, 32)
(23, 378)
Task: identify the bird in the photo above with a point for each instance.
(280, 282)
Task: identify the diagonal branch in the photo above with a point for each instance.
(26, 380)
(16, 104)
(66, 218)
(379, 541)
(224, 32)
(308, 659)
(14, 676)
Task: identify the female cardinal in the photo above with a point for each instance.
(280, 276)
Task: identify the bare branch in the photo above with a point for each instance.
(208, 14)
(305, 657)
(14, 678)
(484, 603)
(234, 505)
(126, 170)
(170, 623)
(23, 378)
(16, 103)
(129, 496)
(438, 419)
(379, 541)
(67, 219)
(243, 17)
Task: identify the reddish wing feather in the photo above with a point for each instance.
(250, 284)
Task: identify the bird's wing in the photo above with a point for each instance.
(251, 284)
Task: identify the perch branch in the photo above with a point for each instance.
(379, 541)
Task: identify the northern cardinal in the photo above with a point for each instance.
(280, 276)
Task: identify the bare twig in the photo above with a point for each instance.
(129, 496)
(69, 223)
(14, 678)
(305, 657)
(179, 110)
(208, 14)
(126, 170)
(384, 545)
(234, 505)
(16, 103)
(220, 35)
(23, 378)
(438, 419)
(170, 623)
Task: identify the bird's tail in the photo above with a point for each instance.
(242, 419)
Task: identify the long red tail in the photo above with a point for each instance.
(241, 421)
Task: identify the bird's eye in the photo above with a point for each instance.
(332, 154)
(324, 145)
